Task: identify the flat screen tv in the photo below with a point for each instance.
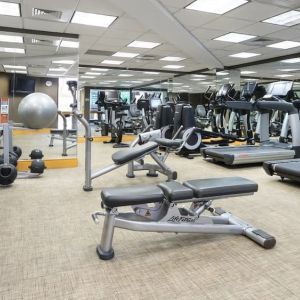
(21, 85)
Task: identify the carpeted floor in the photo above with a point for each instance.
(48, 242)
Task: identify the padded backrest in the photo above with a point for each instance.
(134, 111)
(164, 116)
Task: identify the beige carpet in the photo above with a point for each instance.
(48, 242)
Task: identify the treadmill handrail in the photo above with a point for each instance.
(277, 105)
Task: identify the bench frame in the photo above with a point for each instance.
(167, 216)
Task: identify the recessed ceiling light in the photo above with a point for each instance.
(284, 75)
(152, 73)
(12, 50)
(173, 67)
(125, 85)
(125, 54)
(93, 73)
(289, 18)
(247, 72)
(11, 38)
(222, 73)
(172, 58)
(244, 55)
(233, 37)
(92, 19)
(215, 7)
(125, 75)
(197, 79)
(185, 86)
(204, 82)
(99, 69)
(14, 67)
(291, 60)
(111, 62)
(199, 75)
(134, 81)
(54, 75)
(10, 9)
(147, 79)
(16, 71)
(69, 44)
(288, 70)
(87, 77)
(64, 62)
(58, 69)
(111, 81)
(284, 45)
(141, 44)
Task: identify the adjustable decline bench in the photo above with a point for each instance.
(155, 209)
(289, 168)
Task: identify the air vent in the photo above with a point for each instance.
(147, 57)
(46, 14)
(260, 41)
(100, 52)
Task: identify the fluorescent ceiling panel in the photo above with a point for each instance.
(93, 73)
(197, 79)
(284, 75)
(244, 55)
(173, 67)
(291, 60)
(14, 67)
(199, 75)
(151, 73)
(64, 62)
(247, 72)
(12, 50)
(141, 44)
(285, 45)
(125, 54)
(288, 70)
(233, 37)
(289, 18)
(125, 75)
(58, 69)
(69, 44)
(99, 69)
(215, 7)
(17, 71)
(92, 19)
(112, 62)
(222, 73)
(11, 38)
(9, 9)
(172, 58)
(87, 77)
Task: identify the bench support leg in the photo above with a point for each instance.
(105, 250)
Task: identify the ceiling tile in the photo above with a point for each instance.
(227, 24)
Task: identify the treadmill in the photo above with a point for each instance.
(289, 168)
(267, 150)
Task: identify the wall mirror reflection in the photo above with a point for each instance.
(34, 70)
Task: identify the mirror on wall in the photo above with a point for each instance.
(34, 70)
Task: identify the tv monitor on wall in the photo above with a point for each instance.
(21, 85)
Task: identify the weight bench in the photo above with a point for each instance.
(156, 209)
(123, 157)
(289, 168)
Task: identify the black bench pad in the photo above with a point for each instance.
(217, 187)
(60, 131)
(168, 142)
(127, 155)
(175, 191)
(132, 195)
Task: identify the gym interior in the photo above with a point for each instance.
(150, 149)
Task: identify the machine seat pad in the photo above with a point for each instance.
(131, 195)
(168, 142)
(175, 191)
(218, 187)
(129, 154)
(291, 168)
(60, 131)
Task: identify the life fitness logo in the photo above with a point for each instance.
(178, 219)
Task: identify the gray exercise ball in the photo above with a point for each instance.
(37, 110)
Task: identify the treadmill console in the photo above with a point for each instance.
(279, 89)
(248, 90)
(224, 90)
